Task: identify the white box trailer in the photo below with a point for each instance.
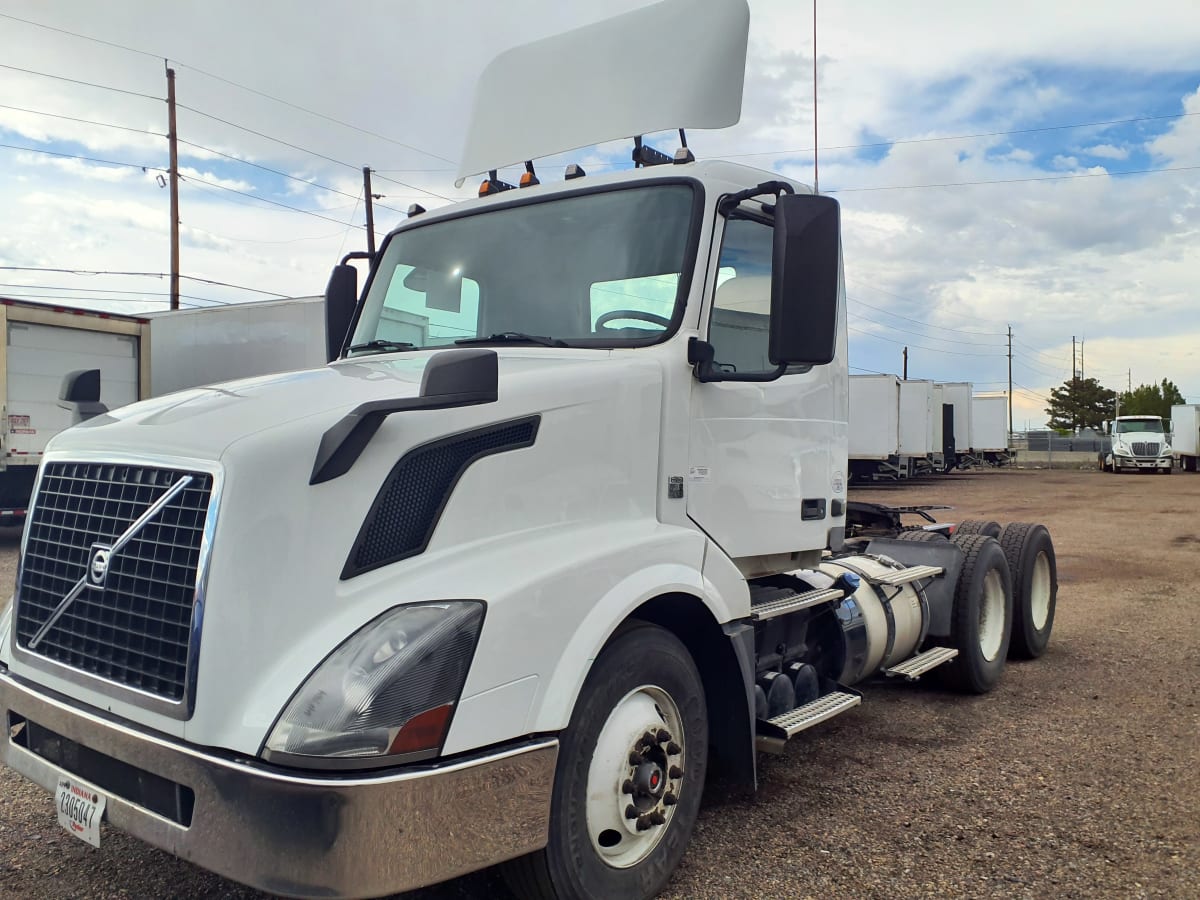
(1185, 435)
(137, 357)
(874, 427)
(958, 394)
(989, 428)
(917, 419)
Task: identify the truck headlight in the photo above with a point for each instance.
(386, 695)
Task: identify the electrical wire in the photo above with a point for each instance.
(862, 302)
(192, 179)
(91, 159)
(38, 112)
(18, 295)
(236, 84)
(929, 337)
(1070, 177)
(103, 87)
(240, 287)
(920, 347)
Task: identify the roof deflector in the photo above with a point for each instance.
(675, 64)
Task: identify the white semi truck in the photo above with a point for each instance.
(1139, 444)
(130, 358)
(1185, 435)
(511, 590)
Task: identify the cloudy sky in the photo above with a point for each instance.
(999, 163)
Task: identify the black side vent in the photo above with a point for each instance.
(410, 502)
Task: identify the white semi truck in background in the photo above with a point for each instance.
(132, 358)
(515, 591)
(1139, 444)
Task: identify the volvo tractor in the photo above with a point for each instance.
(559, 534)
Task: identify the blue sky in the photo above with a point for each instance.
(1111, 260)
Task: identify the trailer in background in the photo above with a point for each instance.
(874, 428)
(917, 414)
(136, 357)
(1185, 435)
(989, 430)
(957, 394)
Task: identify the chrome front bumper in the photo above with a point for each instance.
(307, 835)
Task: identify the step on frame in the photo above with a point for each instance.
(772, 608)
(775, 733)
(916, 666)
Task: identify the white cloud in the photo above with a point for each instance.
(1108, 151)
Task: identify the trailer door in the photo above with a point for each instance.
(39, 356)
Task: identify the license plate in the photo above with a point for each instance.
(80, 809)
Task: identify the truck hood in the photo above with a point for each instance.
(202, 423)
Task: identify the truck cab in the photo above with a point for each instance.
(1139, 443)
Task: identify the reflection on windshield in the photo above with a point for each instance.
(601, 269)
(1135, 425)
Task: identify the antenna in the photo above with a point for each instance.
(816, 179)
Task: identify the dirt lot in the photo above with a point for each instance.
(1078, 777)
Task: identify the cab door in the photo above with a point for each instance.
(767, 450)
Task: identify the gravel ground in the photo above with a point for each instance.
(1078, 777)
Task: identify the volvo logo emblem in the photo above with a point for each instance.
(98, 567)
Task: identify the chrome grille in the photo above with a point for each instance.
(132, 625)
(1143, 448)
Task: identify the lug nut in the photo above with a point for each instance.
(657, 818)
(669, 799)
(663, 735)
(631, 812)
(636, 759)
(627, 787)
(648, 739)
(676, 772)
(645, 823)
(674, 749)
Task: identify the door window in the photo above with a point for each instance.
(739, 327)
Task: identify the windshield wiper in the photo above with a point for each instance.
(514, 337)
(381, 346)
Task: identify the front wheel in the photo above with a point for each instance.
(630, 773)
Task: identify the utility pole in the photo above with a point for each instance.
(370, 210)
(1010, 393)
(1073, 370)
(1081, 375)
(906, 364)
(174, 174)
(1129, 382)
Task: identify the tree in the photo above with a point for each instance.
(1151, 400)
(1080, 403)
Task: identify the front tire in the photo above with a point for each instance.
(631, 768)
(981, 622)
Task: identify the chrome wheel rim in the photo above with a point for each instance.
(991, 616)
(635, 776)
(1039, 591)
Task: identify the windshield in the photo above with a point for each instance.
(1132, 426)
(599, 269)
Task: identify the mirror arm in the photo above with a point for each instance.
(730, 201)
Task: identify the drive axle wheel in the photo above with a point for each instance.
(977, 526)
(982, 616)
(630, 773)
(1030, 555)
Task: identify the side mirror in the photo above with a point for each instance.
(804, 280)
(341, 297)
(80, 394)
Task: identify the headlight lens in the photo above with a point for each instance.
(387, 693)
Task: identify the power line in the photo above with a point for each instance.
(20, 295)
(339, 162)
(919, 347)
(38, 112)
(930, 337)
(240, 240)
(941, 311)
(197, 69)
(1076, 175)
(240, 287)
(192, 179)
(103, 87)
(963, 137)
(925, 324)
(247, 162)
(92, 159)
